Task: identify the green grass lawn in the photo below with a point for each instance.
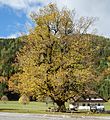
(107, 106)
(32, 107)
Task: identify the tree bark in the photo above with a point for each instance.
(61, 106)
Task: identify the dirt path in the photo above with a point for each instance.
(21, 116)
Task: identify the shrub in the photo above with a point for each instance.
(24, 99)
(4, 98)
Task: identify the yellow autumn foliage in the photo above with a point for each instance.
(57, 59)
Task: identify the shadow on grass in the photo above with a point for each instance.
(7, 109)
(15, 110)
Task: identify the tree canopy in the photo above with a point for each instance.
(59, 58)
(8, 49)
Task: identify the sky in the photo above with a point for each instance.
(15, 14)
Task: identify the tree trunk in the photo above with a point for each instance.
(61, 106)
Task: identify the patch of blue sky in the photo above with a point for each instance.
(12, 21)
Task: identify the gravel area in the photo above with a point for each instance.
(21, 116)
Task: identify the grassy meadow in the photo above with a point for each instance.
(32, 107)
